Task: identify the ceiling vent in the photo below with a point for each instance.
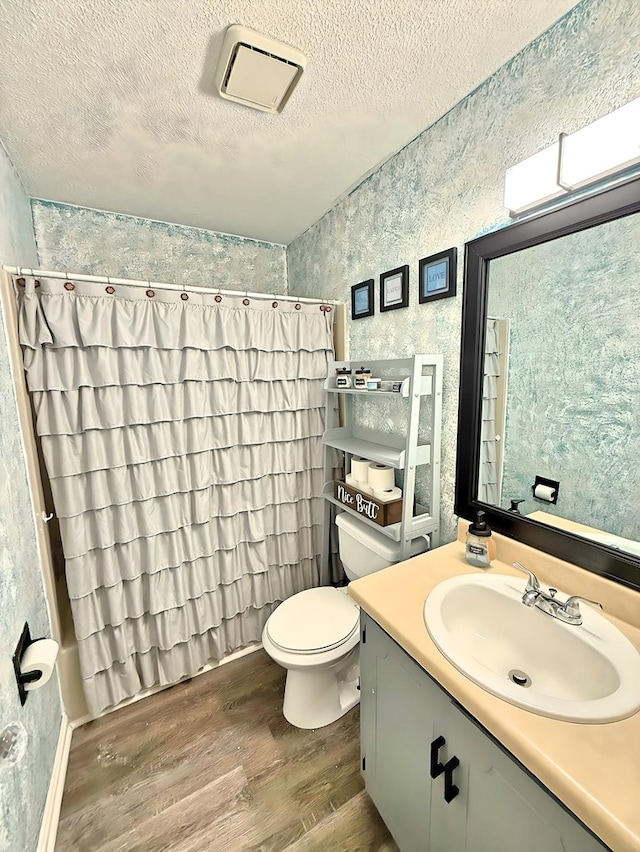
(256, 70)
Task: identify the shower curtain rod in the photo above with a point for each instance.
(159, 285)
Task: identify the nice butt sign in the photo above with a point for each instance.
(382, 514)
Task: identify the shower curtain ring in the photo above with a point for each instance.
(184, 295)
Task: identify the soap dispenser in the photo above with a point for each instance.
(480, 548)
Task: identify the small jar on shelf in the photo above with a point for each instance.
(343, 377)
(362, 376)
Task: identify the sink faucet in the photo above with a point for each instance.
(567, 611)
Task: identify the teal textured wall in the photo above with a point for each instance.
(96, 242)
(446, 187)
(23, 785)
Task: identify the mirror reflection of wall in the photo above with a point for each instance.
(573, 400)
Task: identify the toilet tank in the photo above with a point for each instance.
(364, 550)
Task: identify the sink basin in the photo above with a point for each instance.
(586, 673)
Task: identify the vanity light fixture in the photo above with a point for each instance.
(533, 181)
(603, 148)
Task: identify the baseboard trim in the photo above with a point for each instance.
(51, 816)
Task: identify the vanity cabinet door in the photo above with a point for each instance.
(410, 725)
(398, 707)
(499, 807)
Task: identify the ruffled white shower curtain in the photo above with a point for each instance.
(182, 437)
(488, 485)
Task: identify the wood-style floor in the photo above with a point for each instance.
(213, 765)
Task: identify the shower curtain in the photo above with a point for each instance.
(182, 435)
(488, 486)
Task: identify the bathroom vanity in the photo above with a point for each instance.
(438, 779)
(451, 766)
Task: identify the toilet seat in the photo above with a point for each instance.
(313, 621)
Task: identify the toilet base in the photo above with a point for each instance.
(315, 698)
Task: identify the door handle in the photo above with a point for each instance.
(437, 767)
(450, 789)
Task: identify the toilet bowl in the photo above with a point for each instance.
(315, 634)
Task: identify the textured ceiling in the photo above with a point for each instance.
(109, 103)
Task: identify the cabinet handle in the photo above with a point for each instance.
(450, 789)
(437, 767)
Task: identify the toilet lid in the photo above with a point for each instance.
(313, 620)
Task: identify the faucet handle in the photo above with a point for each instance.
(533, 584)
(572, 608)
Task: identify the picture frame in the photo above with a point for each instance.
(362, 300)
(394, 289)
(437, 276)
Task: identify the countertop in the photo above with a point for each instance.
(593, 769)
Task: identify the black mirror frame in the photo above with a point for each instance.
(587, 212)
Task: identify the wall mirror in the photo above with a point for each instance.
(550, 382)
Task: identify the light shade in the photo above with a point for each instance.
(533, 181)
(603, 148)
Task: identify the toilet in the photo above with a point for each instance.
(314, 635)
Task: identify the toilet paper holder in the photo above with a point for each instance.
(23, 678)
(550, 487)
